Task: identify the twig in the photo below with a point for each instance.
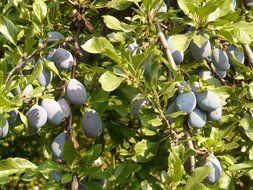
(20, 63)
(215, 73)
(166, 46)
(76, 52)
(249, 54)
(190, 145)
(74, 183)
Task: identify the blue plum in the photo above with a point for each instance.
(54, 36)
(92, 124)
(76, 92)
(13, 116)
(197, 118)
(4, 129)
(234, 51)
(57, 145)
(200, 53)
(220, 59)
(186, 101)
(208, 100)
(66, 110)
(62, 59)
(177, 55)
(54, 111)
(215, 115)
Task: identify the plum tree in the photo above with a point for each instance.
(4, 128)
(234, 51)
(220, 59)
(66, 110)
(216, 169)
(76, 92)
(177, 55)
(57, 145)
(208, 100)
(200, 53)
(215, 115)
(54, 111)
(197, 118)
(37, 117)
(186, 101)
(92, 124)
(54, 36)
(63, 59)
(13, 116)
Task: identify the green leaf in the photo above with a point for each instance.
(112, 22)
(92, 154)
(51, 67)
(124, 170)
(241, 166)
(208, 8)
(176, 168)
(109, 81)
(66, 178)
(187, 6)
(11, 166)
(36, 72)
(8, 30)
(69, 152)
(181, 41)
(121, 4)
(103, 46)
(23, 119)
(199, 40)
(199, 174)
(145, 151)
(93, 185)
(40, 9)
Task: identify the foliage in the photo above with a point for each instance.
(130, 81)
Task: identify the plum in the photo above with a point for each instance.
(234, 51)
(76, 92)
(172, 108)
(200, 53)
(13, 116)
(57, 145)
(37, 117)
(137, 105)
(4, 129)
(56, 175)
(249, 3)
(45, 77)
(133, 47)
(54, 36)
(50, 54)
(220, 59)
(221, 73)
(62, 59)
(195, 86)
(54, 111)
(215, 115)
(66, 110)
(197, 118)
(186, 101)
(92, 124)
(27, 90)
(177, 55)
(216, 169)
(208, 100)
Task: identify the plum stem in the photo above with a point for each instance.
(249, 54)
(166, 46)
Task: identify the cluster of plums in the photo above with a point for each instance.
(221, 59)
(200, 106)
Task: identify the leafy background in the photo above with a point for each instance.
(135, 152)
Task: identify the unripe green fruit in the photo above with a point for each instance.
(63, 59)
(197, 118)
(208, 100)
(220, 59)
(216, 169)
(4, 129)
(54, 111)
(37, 117)
(215, 115)
(57, 145)
(200, 53)
(92, 124)
(177, 55)
(239, 55)
(54, 36)
(76, 92)
(186, 102)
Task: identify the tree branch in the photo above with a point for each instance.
(76, 52)
(249, 54)
(166, 46)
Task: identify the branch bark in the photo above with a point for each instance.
(249, 54)
(166, 46)
(190, 145)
